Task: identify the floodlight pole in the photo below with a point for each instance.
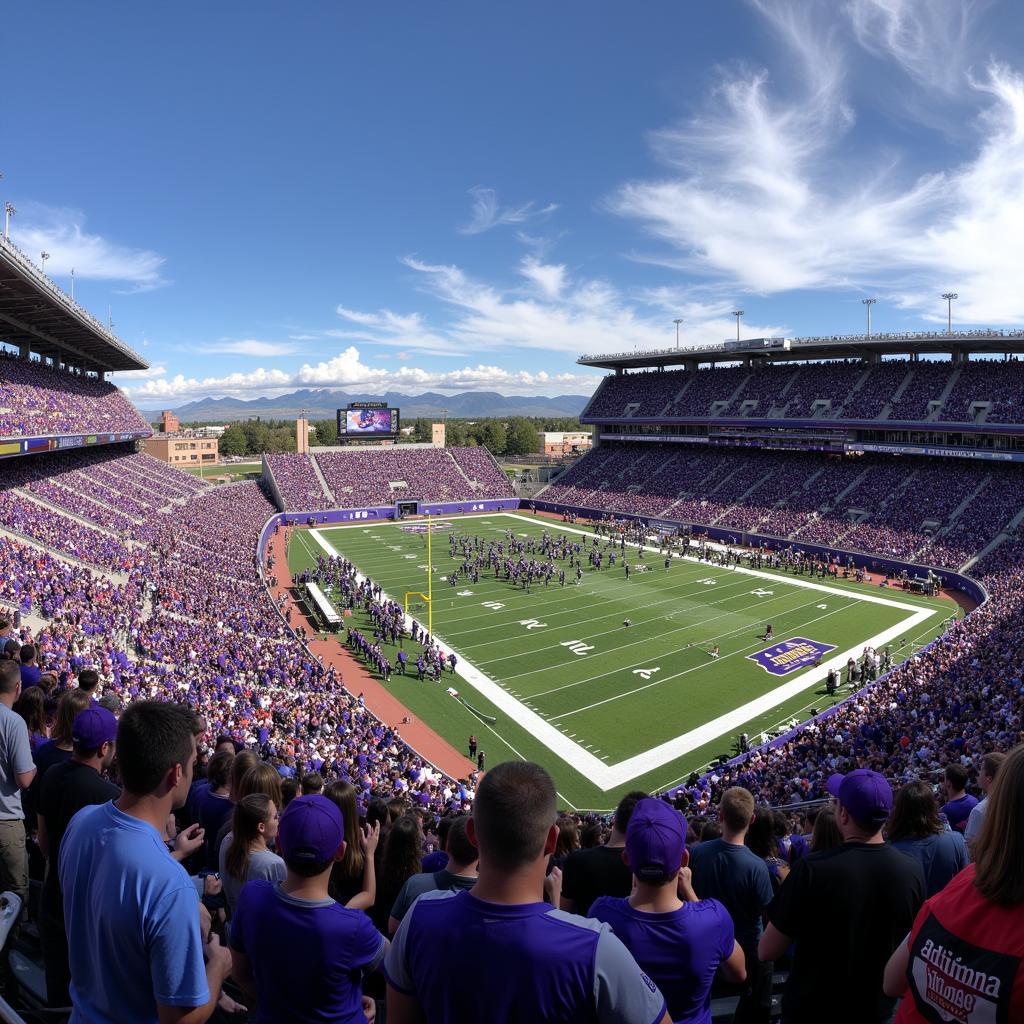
(949, 297)
(869, 303)
(677, 323)
(738, 313)
(43, 257)
(72, 284)
(9, 212)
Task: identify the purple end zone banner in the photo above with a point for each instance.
(788, 656)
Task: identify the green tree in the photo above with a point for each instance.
(521, 437)
(494, 437)
(233, 441)
(326, 433)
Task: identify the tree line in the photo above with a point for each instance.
(514, 435)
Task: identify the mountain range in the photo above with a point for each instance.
(322, 403)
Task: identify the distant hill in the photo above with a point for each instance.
(321, 403)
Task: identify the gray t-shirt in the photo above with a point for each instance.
(15, 759)
(263, 866)
(428, 881)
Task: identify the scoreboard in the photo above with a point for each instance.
(367, 421)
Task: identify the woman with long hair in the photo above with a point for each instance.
(761, 840)
(568, 839)
(31, 705)
(916, 829)
(825, 834)
(354, 877)
(401, 859)
(966, 948)
(246, 856)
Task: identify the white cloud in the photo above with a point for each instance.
(147, 374)
(60, 232)
(767, 193)
(346, 370)
(550, 278)
(487, 213)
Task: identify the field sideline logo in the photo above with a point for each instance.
(797, 652)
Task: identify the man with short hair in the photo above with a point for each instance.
(600, 871)
(30, 671)
(64, 791)
(518, 958)
(130, 909)
(88, 680)
(678, 940)
(458, 873)
(990, 765)
(959, 803)
(845, 909)
(726, 870)
(293, 930)
(17, 770)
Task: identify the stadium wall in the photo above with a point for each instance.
(387, 513)
(11, 447)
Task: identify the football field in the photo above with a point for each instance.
(604, 706)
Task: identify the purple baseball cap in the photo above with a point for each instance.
(864, 793)
(655, 840)
(93, 727)
(311, 830)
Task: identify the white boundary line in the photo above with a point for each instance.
(608, 776)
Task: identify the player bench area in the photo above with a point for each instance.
(320, 608)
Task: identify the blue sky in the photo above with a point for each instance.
(460, 196)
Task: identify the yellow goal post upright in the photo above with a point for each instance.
(428, 597)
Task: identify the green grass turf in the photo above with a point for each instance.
(601, 698)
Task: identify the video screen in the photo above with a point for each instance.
(368, 421)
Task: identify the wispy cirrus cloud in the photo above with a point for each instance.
(61, 233)
(766, 190)
(251, 347)
(487, 213)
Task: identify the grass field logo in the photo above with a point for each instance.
(797, 652)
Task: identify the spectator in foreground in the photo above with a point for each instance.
(727, 870)
(845, 909)
(130, 909)
(990, 764)
(600, 870)
(63, 793)
(459, 873)
(354, 877)
(245, 855)
(294, 949)
(965, 951)
(678, 940)
(959, 803)
(916, 829)
(17, 770)
(517, 958)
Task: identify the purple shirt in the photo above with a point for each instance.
(467, 960)
(320, 947)
(680, 950)
(958, 811)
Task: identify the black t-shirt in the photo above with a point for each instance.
(599, 871)
(846, 909)
(45, 757)
(67, 788)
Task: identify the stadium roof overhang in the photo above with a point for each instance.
(36, 314)
(854, 346)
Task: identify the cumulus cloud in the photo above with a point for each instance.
(487, 213)
(61, 233)
(765, 190)
(347, 370)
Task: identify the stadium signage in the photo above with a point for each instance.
(913, 449)
(797, 652)
(58, 442)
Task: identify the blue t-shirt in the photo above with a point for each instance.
(941, 857)
(467, 960)
(132, 920)
(680, 950)
(308, 957)
(958, 811)
(739, 879)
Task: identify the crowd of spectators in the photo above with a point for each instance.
(852, 391)
(297, 483)
(38, 400)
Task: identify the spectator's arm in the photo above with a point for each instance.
(734, 967)
(403, 1008)
(393, 924)
(894, 981)
(42, 836)
(218, 967)
(24, 779)
(367, 897)
(241, 971)
(773, 944)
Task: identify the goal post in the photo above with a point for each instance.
(417, 605)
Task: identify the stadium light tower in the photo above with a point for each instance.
(738, 313)
(9, 212)
(43, 257)
(677, 322)
(72, 284)
(949, 297)
(869, 303)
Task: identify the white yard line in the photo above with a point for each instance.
(608, 776)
